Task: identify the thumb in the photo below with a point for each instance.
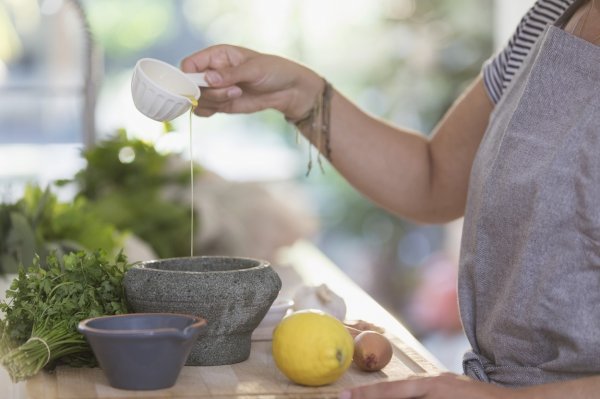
(245, 73)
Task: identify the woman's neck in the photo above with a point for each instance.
(585, 22)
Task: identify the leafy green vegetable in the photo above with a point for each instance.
(168, 127)
(19, 243)
(129, 192)
(39, 224)
(45, 305)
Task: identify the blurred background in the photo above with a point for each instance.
(66, 115)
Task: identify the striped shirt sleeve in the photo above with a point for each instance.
(498, 71)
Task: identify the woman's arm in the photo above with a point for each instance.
(418, 178)
(405, 172)
(449, 386)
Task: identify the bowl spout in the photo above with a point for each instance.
(192, 330)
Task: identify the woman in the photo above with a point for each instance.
(518, 155)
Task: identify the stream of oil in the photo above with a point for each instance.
(194, 105)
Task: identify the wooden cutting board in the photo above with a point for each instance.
(256, 377)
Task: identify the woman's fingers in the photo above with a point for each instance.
(216, 58)
(443, 386)
(217, 100)
(208, 58)
(220, 95)
(247, 72)
(205, 111)
(407, 389)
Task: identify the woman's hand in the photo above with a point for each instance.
(245, 81)
(445, 386)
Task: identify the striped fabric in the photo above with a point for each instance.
(499, 71)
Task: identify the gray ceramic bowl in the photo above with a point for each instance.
(142, 351)
(233, 294)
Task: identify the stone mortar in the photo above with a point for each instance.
(233, 294)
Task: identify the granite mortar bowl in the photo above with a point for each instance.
(233, 294)
(142, 351)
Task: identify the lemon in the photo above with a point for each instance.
(312, 348)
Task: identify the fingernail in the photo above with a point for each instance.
(213, 77)
(345, 395)
(234, 92)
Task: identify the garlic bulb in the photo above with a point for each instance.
(322, 298)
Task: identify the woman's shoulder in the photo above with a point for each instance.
(498, 71)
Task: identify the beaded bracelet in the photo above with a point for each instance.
(318, 122)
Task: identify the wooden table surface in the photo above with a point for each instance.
(257, 376)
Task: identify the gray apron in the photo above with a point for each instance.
(529, 277)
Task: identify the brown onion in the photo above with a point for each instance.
(372, 351)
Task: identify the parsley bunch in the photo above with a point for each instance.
(45, 304)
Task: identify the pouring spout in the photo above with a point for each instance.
(193, 329)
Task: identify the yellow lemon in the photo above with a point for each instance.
(312, 348)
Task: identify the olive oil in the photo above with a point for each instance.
(194, 102)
